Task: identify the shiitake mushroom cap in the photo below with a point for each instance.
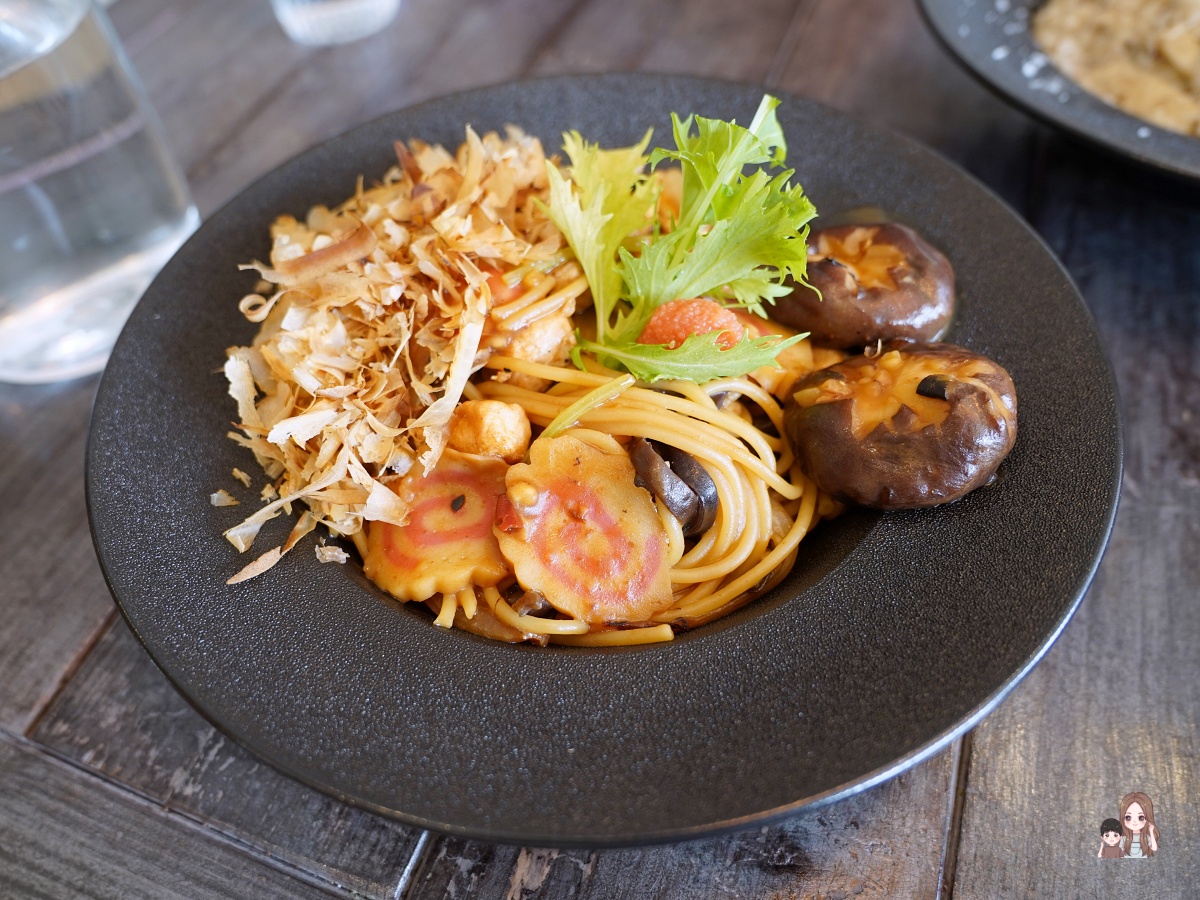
(906, 288)
(917, 425)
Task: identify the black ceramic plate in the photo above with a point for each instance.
(893, 634)
(992, 39)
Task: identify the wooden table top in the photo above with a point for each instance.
(112, 786)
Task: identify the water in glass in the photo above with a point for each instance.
(91, 202)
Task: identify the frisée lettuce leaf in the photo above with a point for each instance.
(739, 238)
(700, 358)
(608, 196)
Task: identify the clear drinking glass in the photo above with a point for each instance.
(318, 22)
(91, 202)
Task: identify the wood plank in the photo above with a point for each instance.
(53, 597)
(120, 717)
(704, 37)
(63, 836)
(884, 842)
(1112, 708)
(237, 97)
(876, 59)
(229, 121)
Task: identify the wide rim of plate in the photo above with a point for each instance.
(893, 635)
(992, 40)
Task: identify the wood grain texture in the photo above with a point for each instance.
(876, 59)
(735, 41)
(120, 717)
(1112, 708)
(885, 842)
(64, 836)
(52, 597)
(237, 97)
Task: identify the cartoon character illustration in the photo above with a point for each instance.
(1110, 839)
(1137, 825)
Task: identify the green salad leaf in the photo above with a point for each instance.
(608, 197)
(698, 359)
(740, 236)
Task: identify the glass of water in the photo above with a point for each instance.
(317, 22)
(91, 202)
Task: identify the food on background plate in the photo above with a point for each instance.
(546, 399)
(1142, 56)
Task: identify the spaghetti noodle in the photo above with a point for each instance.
(766, 504)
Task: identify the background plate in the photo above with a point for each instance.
(992, 39)
(893, 634)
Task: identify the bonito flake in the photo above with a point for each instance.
(373, 319)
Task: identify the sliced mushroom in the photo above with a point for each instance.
(532, 603)
(917, 425)
(679, 482)
(876, 282)
(695, 476)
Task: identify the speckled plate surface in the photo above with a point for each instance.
(893, 634)
(992, 39)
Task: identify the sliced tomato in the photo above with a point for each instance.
(448, 543)
(575, 527)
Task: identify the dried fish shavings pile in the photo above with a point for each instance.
(375, 320)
